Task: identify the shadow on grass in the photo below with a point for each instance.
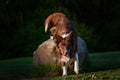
(22, 68)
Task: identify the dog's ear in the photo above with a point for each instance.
(56, 17)
(48, 22)
(52, 20)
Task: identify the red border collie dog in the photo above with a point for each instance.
(64, 35)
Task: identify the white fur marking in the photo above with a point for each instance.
(65, 35)
(65, 59)
(76, 56)
(51, 37)
(46, 26)
(76, 64)
(64, 70)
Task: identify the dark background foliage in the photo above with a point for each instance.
(22, 24)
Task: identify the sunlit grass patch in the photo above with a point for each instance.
(50, 70)
(100, 75)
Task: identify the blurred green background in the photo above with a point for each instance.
(22, 24)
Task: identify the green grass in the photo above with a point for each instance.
(15, 69)
(104, 66)
(100, 75)
(105, 60)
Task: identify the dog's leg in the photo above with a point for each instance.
(64, 67)
(64, 70)
(76, 64)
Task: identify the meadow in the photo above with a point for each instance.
(103, 66)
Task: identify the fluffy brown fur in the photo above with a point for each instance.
(59, 24)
